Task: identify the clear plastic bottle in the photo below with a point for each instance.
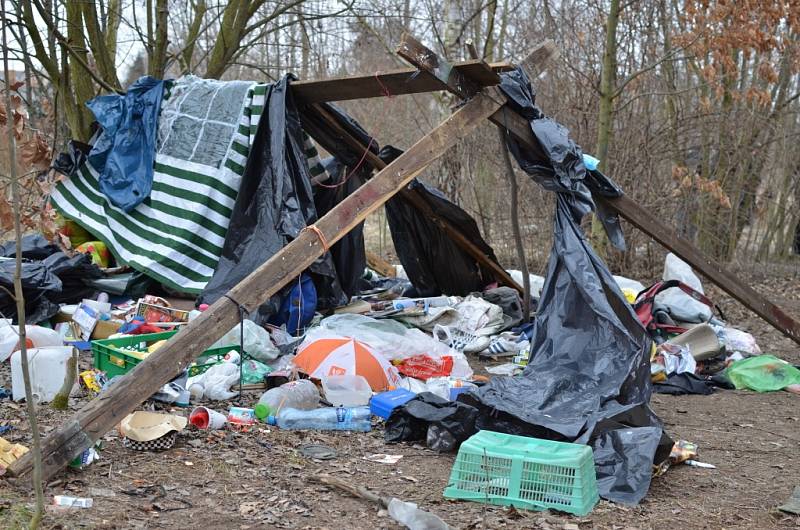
(324, 419)
(301, 394)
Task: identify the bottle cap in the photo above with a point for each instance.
(262, 411)
(272, 420)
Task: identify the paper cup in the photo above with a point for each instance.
(205, 418)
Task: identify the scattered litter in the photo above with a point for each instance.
(384, 459)
(9, 453)
(150, 431)
(695, 463)
(318, 452)
(72, 502)
(792, 505)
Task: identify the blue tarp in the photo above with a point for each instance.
(126, 148)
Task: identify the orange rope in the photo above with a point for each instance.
(320, 236)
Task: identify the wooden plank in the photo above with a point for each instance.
(720, 276)
(413, 198)
(103, 413)
(380, 265)
(379, 84)
(426, 60)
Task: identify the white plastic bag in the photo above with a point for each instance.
(215, 383)
(390, 339)
(680, 305)
(257, 343)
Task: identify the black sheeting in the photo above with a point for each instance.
(684, 383)
(588, 380)
(349, 256)
(274, 204)
(49, 278)
(433, 262)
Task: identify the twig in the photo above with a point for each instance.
(355, 491)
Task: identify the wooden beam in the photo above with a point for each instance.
(380, 265)
(380, 84)
(455, 80)
(516, 125)
(109, 408)
(418, 202)
(719, 275)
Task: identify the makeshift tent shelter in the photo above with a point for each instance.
(473, 81)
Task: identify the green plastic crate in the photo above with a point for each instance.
(110, 355)
(528, 473)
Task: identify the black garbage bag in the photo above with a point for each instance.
(274, 204)
(72, 159)
(442, 424)
(682, 384)
(34, 246)
(39, 286)
(588, 380)
(433, 262)
(348, 254)
(49, 278)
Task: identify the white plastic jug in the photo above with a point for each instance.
(47, 367)
(350, 390)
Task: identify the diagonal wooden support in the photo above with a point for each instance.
(107, 410)
(519, 127)
(416, 200)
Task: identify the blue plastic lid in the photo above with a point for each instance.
(272, 420)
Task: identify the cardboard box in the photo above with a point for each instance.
(105, 328)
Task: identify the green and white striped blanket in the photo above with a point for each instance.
(176, 236)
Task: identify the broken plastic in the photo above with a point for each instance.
(407, 514)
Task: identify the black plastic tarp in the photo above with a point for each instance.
(588, 380)
(433, 262)
(273, 205)
(49, 278)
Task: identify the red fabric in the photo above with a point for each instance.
(425, 367)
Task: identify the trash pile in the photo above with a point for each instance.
(343, 348)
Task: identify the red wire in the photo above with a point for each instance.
(388, 94)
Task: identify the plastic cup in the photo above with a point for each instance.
(205, 418)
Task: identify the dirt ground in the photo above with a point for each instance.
(261, 479)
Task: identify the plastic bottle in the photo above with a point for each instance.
(324, 419)
(301, 394)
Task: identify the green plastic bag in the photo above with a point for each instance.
(254, 371)
(763, 373)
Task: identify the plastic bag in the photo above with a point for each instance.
(680, 305)
(763, 373)
(736, 340)
(257, 343)
(254, 371)
(425, 367)
(215, 383)
(391, 339)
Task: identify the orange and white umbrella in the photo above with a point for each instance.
(342, 356)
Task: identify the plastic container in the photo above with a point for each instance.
(324, 419)
(118, 356)
(350, 390)
(47, 367)
(384, 403)
(301, 395)
(529, 473)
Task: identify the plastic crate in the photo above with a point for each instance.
(114, 356)
(528, 473)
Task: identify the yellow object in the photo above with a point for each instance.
(630, 294)
(88, 379)
(76, 234)
(97, 250)
(156, 345)
(10, 452)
